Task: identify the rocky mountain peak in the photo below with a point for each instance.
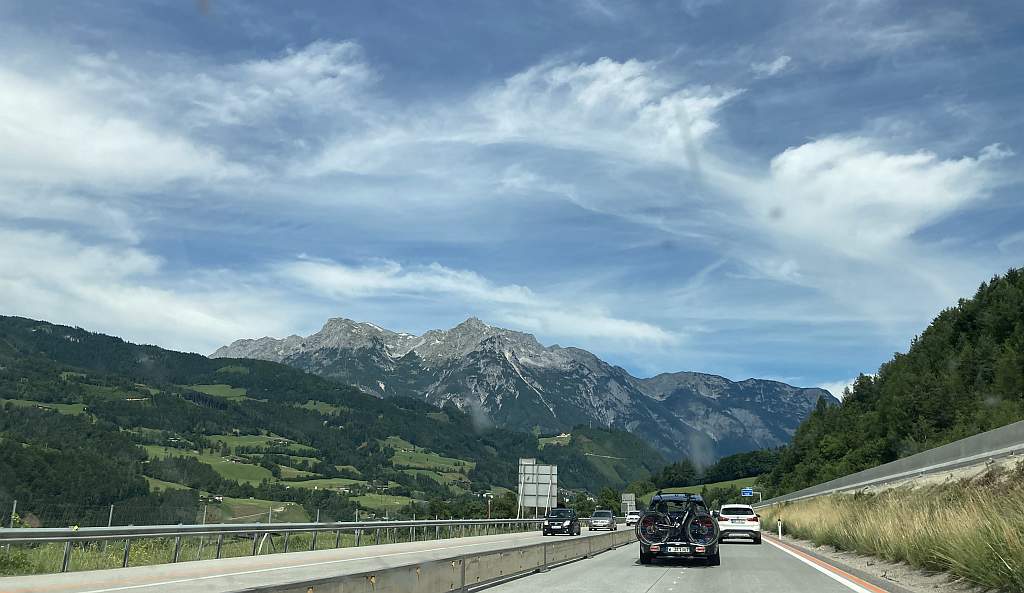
(519, 383)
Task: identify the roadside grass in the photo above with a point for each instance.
(973, 529)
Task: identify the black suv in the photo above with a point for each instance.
(678, 526)
(561, 520)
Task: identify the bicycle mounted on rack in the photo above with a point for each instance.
(678, 526)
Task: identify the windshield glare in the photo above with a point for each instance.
(560, 513)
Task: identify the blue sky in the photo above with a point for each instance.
(787, 190)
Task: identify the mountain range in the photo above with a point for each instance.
(507, 378)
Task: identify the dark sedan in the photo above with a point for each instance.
(561, 520)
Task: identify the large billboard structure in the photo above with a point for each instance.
(538, 487)
(628, 502)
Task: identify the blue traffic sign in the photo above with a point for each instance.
(747, 492)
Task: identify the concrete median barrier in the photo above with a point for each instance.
(460, 572)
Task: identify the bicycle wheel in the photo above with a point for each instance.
(701, 529)
(653, 528)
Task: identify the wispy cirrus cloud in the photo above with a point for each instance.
(509, 303)
(766, 69)
(572, 189)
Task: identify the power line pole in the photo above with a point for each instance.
(14, 511)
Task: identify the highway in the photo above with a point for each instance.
(767, 568)
(745, 567)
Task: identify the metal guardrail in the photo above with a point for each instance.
(369, 529)
(973, 450)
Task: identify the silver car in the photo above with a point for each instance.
(603, 520)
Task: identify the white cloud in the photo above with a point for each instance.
(855, 197)
(766, 69)
(513, 304)
(123, 291)
(52, 135)
(622, 110)
(838, 388)
(95, 215)
(388, 278)
(322, 77)
(836, 217)
(589, 323)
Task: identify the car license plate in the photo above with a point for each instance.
(737, 521)
(677, 550)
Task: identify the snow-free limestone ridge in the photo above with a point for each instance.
(509, 379)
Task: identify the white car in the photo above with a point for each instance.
(739, 520)
(632, 517)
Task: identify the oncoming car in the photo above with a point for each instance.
(603, 520)
(561, 520)
(739, 520)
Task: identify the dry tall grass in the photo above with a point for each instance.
(973, 529)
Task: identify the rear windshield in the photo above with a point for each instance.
(737, 511)
(675, 507)
(602, 513)
(634, 512)
(560, 513)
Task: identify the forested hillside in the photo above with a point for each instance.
(88, 420)
(963, 375)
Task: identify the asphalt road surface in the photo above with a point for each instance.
(745, 568)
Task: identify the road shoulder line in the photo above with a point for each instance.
(841, 576)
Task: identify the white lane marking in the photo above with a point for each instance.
(849, 584)
(262, 570)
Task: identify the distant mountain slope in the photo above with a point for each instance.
(962, 376)
(109, 416)
(509, 379)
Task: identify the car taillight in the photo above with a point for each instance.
(753, 519)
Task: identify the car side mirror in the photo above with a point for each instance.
(714, 514)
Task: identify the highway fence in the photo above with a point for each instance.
(974, 450)
(98, 547)
(47, 549)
